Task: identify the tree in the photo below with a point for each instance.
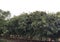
(36, 24)
(3, 16)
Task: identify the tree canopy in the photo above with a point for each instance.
(35, 25)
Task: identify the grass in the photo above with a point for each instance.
(3, 40)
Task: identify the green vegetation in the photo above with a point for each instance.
(2, 40)
(35, 25)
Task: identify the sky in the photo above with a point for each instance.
(17, 7)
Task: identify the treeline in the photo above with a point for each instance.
(35, 25)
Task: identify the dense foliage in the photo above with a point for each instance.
(36, 25)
